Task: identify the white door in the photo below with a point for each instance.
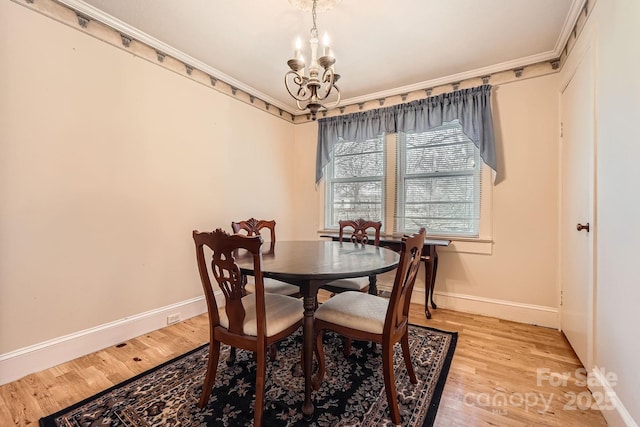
(577, 212)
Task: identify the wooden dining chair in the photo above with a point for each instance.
(253, 227)
(248, 321)
(373, 318)
(359, 235)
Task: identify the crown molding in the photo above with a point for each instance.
(569, 27)
(472, 74)
(577, 6)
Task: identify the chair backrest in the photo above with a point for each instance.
(398, 311)
(360, 227)
(227, 274)
(253, 227)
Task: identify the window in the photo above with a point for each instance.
(438, 182)
(437, 176)
(355, 182)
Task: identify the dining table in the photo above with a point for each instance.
(310, 265)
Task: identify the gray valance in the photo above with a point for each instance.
(472, 107)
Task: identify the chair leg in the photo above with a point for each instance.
(321, 362)
(346, 347)
(232, 357)
(210, 377)
(390, 383)
(273, 351)
(261, 370)
(404, 341)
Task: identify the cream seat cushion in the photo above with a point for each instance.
(272, 286)
(281, 312)
(355, 284)
(355, 310)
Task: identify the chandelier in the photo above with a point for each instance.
(311, 88)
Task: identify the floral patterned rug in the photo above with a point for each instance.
(352, 393)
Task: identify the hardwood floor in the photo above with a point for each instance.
(503, 374)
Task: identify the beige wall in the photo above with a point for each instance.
(616, 31)
(107, 163)
(522, 266)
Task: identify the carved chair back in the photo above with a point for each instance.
(360, 227)
(254, 227)
(224, 269)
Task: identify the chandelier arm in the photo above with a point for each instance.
(328, 77)
(337, 100)
(301, 87)
(300, 107)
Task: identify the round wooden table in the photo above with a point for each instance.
(311, 264)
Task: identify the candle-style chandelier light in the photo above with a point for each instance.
(312, 89)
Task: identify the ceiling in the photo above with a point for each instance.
(382, 47)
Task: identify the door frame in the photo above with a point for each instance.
(586, 45)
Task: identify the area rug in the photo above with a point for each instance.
(352, 393)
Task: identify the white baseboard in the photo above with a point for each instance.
(16, 364)
(613, 410)
(508, 310)
(44, 355)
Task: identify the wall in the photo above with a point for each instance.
(107, 163)
(518, 279)
(617, 29)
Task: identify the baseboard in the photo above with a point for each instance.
(16, 364)
(612, 408)
(44, 355)
(508, 310)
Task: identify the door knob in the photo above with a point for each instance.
(581, 227)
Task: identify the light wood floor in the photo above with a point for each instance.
(493, 378)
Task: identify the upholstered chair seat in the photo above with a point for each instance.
(360, 284)
(272, 286)
(281, 312)
(355, 310)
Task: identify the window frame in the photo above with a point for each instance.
(402, 177)
(483, 244)
(329, 181)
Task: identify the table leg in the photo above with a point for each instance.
(433, 276)
(430, 266)
(373, 285)
(309, 302)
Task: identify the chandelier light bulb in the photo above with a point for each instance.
(297, 53)
(325, 44)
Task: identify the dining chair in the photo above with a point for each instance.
(251, 322)
(359, 235)
(372, 318)
(253, 227)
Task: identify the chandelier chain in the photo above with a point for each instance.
(314, 30)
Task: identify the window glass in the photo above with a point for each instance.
(356, 182)
(438, 184)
